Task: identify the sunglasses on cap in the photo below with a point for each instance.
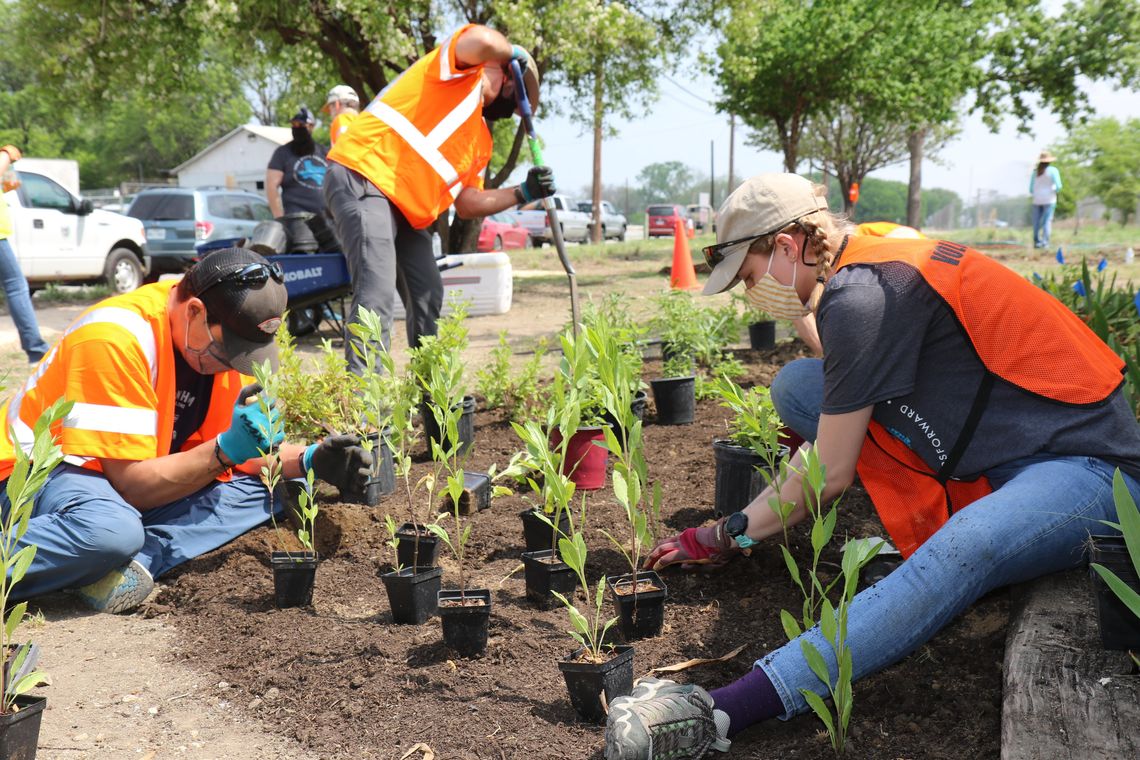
(250, 274)
(714, 254)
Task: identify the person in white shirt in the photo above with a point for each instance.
(1044, 186)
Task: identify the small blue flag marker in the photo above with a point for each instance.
(1060, 256)
(1102, 264)
(1136, 301)
(1079, 288)
(1036, 277)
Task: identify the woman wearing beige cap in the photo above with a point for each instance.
(1044, 186)
(984, 419)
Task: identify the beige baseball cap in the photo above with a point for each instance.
(762, 205)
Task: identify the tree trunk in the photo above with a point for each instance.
(845, 180)
(916, 141)
(596, 195)
(464, 235)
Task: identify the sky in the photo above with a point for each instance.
(681, 124)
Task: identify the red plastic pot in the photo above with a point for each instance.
(585, 462)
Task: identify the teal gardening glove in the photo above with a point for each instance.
(248, 436)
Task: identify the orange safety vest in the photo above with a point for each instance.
(116, 363)
(1021, 334)
(340, 126)
(423, 139)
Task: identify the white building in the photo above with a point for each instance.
(237, 159)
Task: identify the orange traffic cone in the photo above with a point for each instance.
(683, 276)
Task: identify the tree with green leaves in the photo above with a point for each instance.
(664, 181)
(1102, 158)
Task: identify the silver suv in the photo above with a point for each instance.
(178, 219)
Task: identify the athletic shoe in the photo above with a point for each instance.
(663, 720)
(120, 590)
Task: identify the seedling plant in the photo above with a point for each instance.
(588, 630)
(29, 473)
(518, 393)
(755, 424)
(318, 397)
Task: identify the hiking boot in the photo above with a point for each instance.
(120, 590)
(663, 720)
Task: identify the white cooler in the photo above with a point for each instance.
(484, 280)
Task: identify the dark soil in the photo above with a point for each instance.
(348, 683)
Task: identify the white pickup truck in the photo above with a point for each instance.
(613, 221)
(60, 237)
(575, 224)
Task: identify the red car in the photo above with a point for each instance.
(661, 220)
(501, 232)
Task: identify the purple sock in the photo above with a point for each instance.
(748, 700)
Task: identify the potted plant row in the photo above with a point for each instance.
(750, 456)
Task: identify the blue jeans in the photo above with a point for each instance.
(1042, 224)
(1035, 522)
(20, 303)
(83, 528)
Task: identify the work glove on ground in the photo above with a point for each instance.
(539, 183)
(341, 461)
(248, 436)
(13, 152)
(709, 545)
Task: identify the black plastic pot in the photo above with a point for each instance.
(676, 399)
(293, 577)
(413, 593)
(476, 494)
(741, 474)
(762, 335)
(1119, 627)
(637, 406)
(642, 613)
(406, 549)
(383, 479)
(465, 627)
(587, 681)
(20, 731)
(544, 577)
(466, 427)
(537, 534)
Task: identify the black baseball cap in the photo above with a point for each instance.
(245, 293)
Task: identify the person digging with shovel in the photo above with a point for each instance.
(983, 417)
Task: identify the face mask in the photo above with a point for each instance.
(774, 297)
(199, 355)
(302, 141)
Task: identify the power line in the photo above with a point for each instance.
(687, 91)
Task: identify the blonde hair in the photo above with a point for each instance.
(825, 233)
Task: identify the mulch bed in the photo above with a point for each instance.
(346, 682)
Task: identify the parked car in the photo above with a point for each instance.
(59, 237)
(660, 219)
(702, 217)
(613, 222)
(575, 224)
(501, 232)
(178, 219)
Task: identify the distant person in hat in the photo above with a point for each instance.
(11, 276)
(421, 146)
(297, 170)
(343, 106)
(984, 419)
(162, 448)
(1043, 187)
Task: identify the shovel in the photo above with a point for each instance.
(548, 203)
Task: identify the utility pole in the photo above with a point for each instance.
(712, 174)
(731, 148)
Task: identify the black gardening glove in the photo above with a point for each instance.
(341, 461)
(539, 183)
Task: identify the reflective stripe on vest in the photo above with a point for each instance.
(1019, 332)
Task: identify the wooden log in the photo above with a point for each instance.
(1064, 697)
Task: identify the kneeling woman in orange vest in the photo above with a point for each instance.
(983, 417)
(419, 147)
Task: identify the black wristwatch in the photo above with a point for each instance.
(735, 526)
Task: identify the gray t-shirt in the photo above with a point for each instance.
(304, 175)
(890, 341)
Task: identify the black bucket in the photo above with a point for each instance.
(20, 730)
(1119, 626)
(324, 234)
(762, 335)
(465, 627)
(642, 613)
(544, 577)
(537, 534)
(466, 427)
(587, 681)
(293, 576)
(675, 399)
(413, 593)
(301, 238)
(406, 549)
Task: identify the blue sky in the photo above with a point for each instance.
(680, 125)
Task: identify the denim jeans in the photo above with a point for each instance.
(1035, 522)
(1042, 224)
(20, 303)
(82, 528)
